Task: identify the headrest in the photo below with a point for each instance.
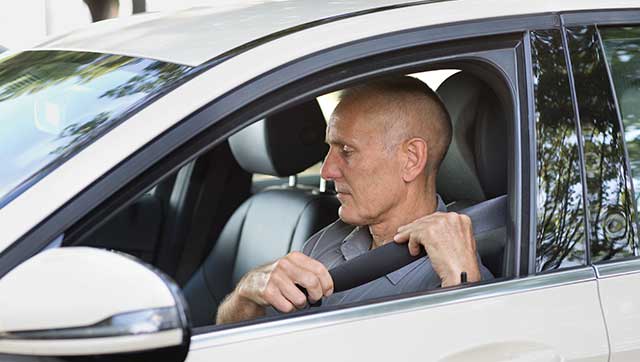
(475, 167)
(284, 144)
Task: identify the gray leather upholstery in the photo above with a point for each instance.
(272, 222)
(475, 167)
(284, 144)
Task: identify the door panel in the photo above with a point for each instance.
(561, 323)
(620, 292)
(615, 62)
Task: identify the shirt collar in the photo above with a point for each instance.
(359, 241)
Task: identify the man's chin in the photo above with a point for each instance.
(347, 217)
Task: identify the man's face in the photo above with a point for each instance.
(366, 173)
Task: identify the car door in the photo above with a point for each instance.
(552, 314)
(608, 57)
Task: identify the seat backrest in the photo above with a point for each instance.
(475, 167)
(274, 221)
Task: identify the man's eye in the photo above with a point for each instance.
(346, 150)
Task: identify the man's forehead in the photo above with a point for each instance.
(355, 123)
(337, 131)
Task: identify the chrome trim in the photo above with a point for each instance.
(293, 180)
(424, 301)
(617, 268)
(147, 321)
(323, 185)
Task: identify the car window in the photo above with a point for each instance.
(560, 240)
(203, 227)
(622, 48)
(612, 217)
(40, 127)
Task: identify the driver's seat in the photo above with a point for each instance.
(273, 221)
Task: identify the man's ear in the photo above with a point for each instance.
(417, 152)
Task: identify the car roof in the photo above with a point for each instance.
(196, 35)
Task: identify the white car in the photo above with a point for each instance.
(136, 188)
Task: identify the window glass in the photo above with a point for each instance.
(54, 102)
(610, 204)
(560, 240)
(622, 47)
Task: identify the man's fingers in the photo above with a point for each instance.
(302, 276)
(291, 292)
(321, 272)
(414, 246)
(410, 237)
(318, 269)
(273, 296)
(312, 284)
(402, 237)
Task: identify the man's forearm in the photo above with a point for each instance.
(235, 308)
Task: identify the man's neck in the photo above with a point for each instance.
(414, 206)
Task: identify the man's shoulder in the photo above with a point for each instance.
(331, 234)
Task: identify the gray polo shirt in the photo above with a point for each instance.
(340, 242)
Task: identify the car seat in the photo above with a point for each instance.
(475, 167)
(274, 221)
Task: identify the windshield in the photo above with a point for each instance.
(53, 103)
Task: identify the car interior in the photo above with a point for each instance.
(211, 222)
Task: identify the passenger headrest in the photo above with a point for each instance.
(284, 144)
(475, 167)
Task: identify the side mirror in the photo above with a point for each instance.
(93, 303)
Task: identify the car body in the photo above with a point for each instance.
(567, 289)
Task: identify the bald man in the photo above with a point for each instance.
(387, 139)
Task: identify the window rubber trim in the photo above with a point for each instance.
(576, 114)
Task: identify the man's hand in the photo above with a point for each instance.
(275, 284)
(449, 242)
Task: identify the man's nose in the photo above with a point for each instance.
(330, 170)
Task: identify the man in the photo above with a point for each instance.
(387, 139)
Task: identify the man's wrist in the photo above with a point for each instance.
(237, 308)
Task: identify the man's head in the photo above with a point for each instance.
(387, 139)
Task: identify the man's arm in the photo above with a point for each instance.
(275, 284)
(448, 240)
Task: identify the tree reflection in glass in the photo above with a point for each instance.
(622, 48)
(611, 210)
(53, 103)
(560, 215)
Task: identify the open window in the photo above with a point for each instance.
(195, 215)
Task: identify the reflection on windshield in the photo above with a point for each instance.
(53, 103)
(561, 226)
(611, 210)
